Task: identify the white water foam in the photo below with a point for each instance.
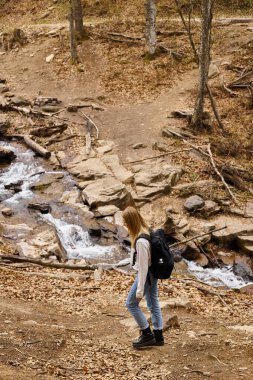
(77, 242)
(23, 168)
(217, 276)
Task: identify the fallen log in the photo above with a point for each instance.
(92, 122)
(196, 237)
(171, 33)
(125, 36)
(56, 276)
(231, 21)
(49, 130)
(36, 147)
(47, 264)
(219, 174)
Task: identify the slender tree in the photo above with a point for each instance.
(204, 60)
(72, 34)
(78, 19)
(151, 39)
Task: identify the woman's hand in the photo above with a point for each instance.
(139, 299)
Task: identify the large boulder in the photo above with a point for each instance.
(106, 191)
(155, 178)
(234, 229)
(6, 155)
(122, 174)
(47, 180)
(89, 170)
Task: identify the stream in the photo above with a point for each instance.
(27, 170)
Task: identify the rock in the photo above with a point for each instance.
(42, 101)
(210, 208)
(104, 146)
(7, 211)
(6, 155)
(181, 267)
(153, 179)
(227, 258)
(27, 250)
(162, 147)
(202, 260)
(47, 243)
(71, 197)
(243, 328)
(90, 169)
(138, 146)
(247, 289)
(4, 124)
(189, 251)
(193, 203)
(106, 191)
(72, 108)
(122, 174)
(49, 58)
(122, 232)
(169, 225)
(14, 186)
(247, 211)
(50, 109)
(245, 242)
(19, 101)
(4, 88)
(234, 229)
(182, 301)
(107, 210)
(171, 322)
(243, 266)
(46, 180)
(107, 224)
(43, 207)
(15, 230)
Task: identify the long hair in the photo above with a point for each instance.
(134, 223)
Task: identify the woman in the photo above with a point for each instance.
(145, 284)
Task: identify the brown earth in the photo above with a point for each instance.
(55, 329)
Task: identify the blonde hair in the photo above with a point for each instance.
(134, 223)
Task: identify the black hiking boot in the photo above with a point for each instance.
(145, 339)
(159, 339)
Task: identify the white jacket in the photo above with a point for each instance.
(142, 263)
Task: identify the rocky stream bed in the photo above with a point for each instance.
(69, 210)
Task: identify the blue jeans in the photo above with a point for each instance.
(151, 295)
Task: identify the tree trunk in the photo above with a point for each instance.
(204, 61)
(73, 46)
(151, 40)
(78, 19)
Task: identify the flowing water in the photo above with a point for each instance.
(77, 241)
(216, 276)
(75, 237)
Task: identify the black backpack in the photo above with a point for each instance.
(162, 262)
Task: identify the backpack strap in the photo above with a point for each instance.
(142, 236)
(148, 238)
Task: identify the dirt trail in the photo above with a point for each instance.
(52, 330)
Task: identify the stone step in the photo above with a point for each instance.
(245, 239)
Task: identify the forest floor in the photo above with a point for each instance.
(80, 329)
(58, 329)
